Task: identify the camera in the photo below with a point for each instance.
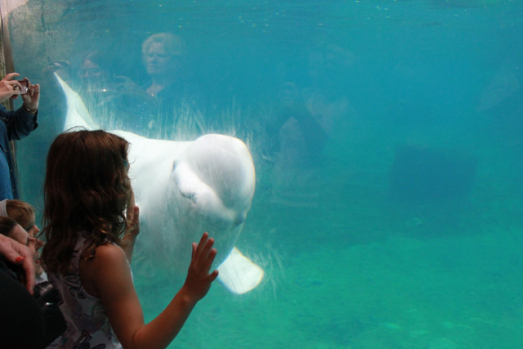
(45, 294)
(25, 86)
(48, 298)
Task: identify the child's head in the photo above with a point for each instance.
(86, 189)
(23, 213)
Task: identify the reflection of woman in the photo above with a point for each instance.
(168, 90)
(162, 54)
(154, 109)
(150, 109)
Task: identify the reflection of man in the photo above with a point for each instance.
(299, 146)
(15, 125)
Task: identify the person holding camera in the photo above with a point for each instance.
(15, 125)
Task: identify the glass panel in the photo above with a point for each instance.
(386, 137)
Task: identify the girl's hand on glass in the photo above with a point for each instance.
(198, 281)
(133, 217)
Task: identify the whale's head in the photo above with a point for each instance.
(210, 190)
(184, 189)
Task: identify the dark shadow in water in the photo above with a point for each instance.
(423, 175)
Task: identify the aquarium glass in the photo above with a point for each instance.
(386, 137)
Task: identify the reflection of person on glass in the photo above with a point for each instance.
(163, 56)
(106, 96)
(15, 125)
(92, 72)
(295, 115)
(150, 109)
(297, 148)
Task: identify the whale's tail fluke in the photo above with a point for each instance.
(239, 274)
(77, 113)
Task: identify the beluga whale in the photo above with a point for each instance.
(184, 189)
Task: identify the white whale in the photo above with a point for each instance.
(184, 189)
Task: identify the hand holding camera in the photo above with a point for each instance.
(11, 88)
(24, 86)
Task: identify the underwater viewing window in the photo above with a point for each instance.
(384, 140)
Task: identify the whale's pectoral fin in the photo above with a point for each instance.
(239, 274)
(77, 113)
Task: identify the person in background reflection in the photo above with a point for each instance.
(15, 125)
(298, 141)
(162, 56)
(169, 94)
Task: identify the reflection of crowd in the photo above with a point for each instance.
(89, 240)
(164, 104)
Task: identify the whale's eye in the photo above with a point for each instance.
(188, 195)
(239, 220)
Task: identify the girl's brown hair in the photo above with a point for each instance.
(22, 212)
(7, 225)
(86, 189)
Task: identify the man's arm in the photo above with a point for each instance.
(21, 122)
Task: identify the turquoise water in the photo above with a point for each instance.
(392, 220)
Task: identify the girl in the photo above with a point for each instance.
(86, 192)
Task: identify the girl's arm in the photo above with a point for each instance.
(108, 277)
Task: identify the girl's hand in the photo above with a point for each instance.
(198, 281)
(132, 228)
(133, 218)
